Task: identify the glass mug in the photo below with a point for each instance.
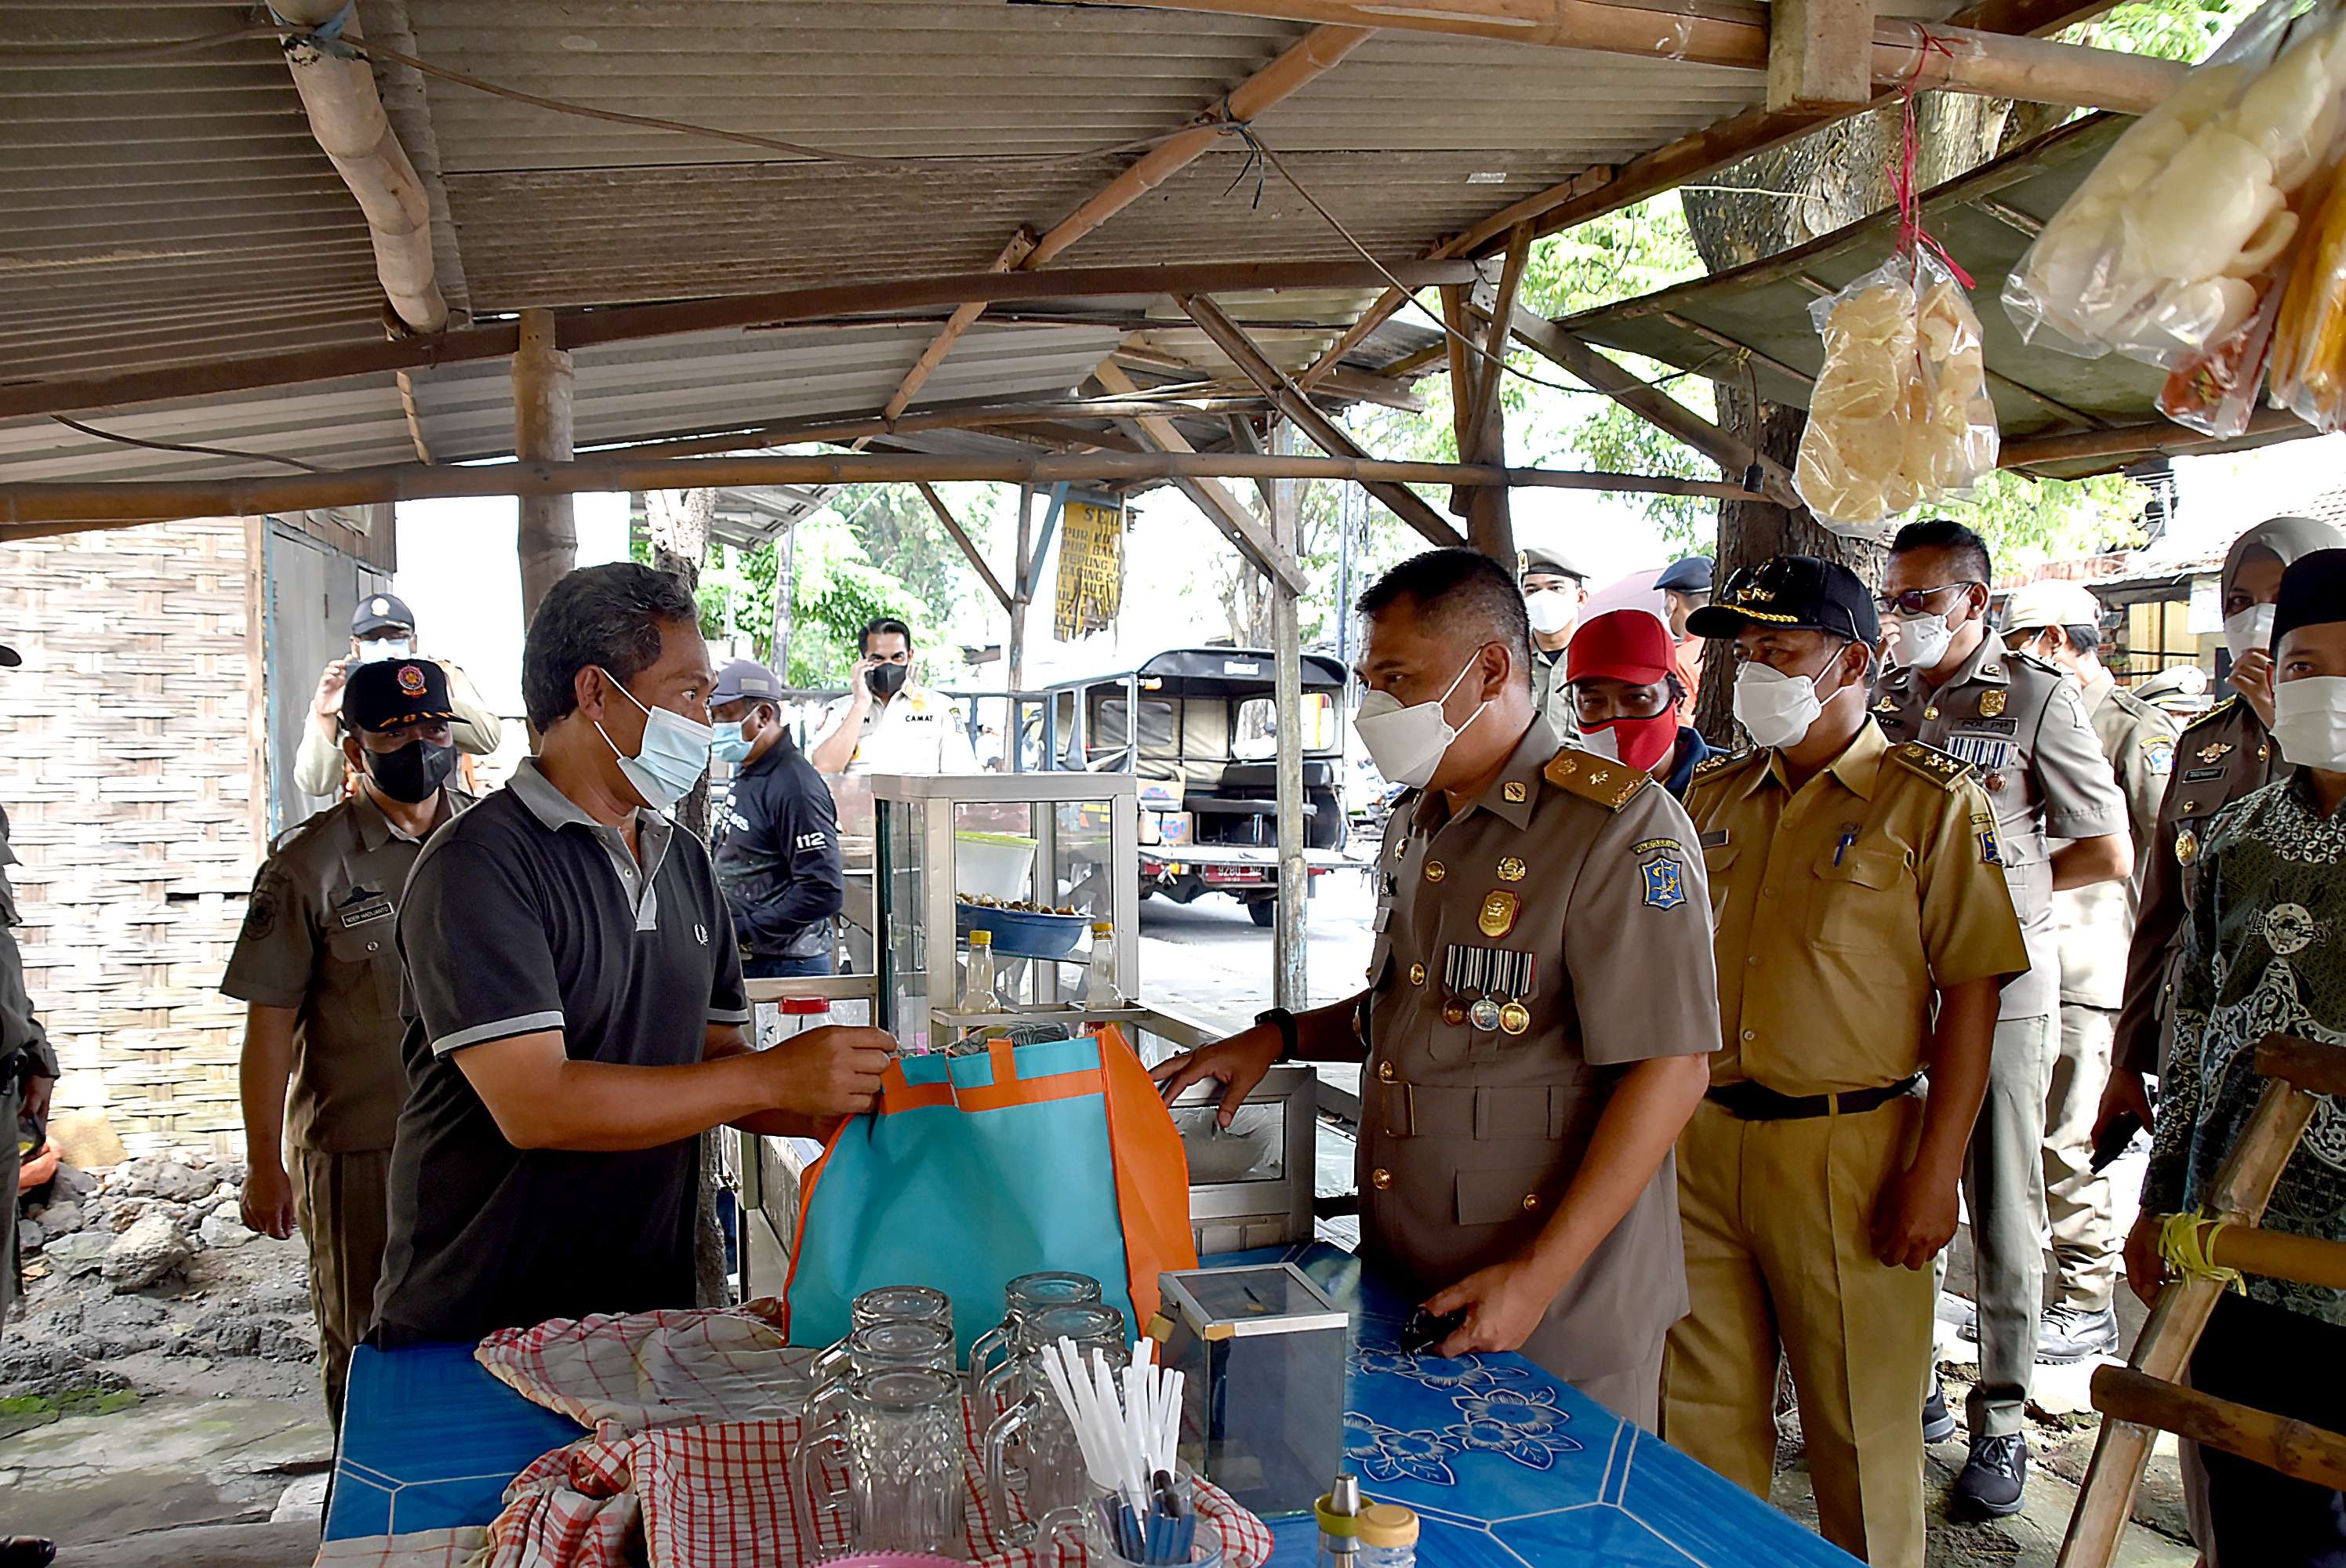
(1027, 1293)
(900, 1304)
(874, 1347)
(1047, 1454)
(899, 1438)
(1083, 1521)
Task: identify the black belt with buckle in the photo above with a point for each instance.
(1752, 1102)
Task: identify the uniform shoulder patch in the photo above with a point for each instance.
(1610, 784)
(1711, 768)
(2212, 715)
(1940, 768)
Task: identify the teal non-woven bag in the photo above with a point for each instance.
(963, 1183)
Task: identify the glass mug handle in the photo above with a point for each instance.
(806, 1478)
(994, 1339)
(1047, 1546)
(1006, 1426)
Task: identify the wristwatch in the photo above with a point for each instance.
(1283, 1021)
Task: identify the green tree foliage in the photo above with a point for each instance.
(838, 590)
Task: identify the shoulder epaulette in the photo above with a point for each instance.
(1711, 767)
(2213, 714)
(304, 827)
(1610, 784)
(1939, 767)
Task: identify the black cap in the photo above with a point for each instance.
(377, 611)
(10, 659)
(1690, 576)
(2312, 593)
(1797, 591)
(392, 692)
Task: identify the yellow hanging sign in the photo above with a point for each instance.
(1091, 569)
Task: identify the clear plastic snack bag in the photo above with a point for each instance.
(1901, 412)
(2173, 241)
(2308, 346)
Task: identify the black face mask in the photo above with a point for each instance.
(412, 772)
(886, 679)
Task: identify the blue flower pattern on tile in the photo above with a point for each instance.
(1523, 1424)
(1388, 1454)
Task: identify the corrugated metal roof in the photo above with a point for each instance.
(161, 209)
(623, 392)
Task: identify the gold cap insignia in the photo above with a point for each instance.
(1511, 870)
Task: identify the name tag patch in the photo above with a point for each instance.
(1990, 726)
(2201, 775)
(374, 909)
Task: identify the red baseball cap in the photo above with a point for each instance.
(1635, 646)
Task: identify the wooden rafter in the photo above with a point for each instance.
(1818, 53)
(961, 537)
(1021, 246)
(631, 324)
(33, 507)
(1228, 337)
(1221, 508)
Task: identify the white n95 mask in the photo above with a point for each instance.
(1776, 707)
(1407, 742)
(1923, 640)
(1550, 610)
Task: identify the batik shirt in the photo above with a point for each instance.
(2265, 953)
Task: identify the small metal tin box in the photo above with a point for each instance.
(1263, 1406)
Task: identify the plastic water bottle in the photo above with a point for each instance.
(977, 991)
(1388, 1536)
(1099, 981)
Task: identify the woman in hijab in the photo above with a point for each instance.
(2226, 755)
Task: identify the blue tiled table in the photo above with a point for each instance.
(1506, 1467)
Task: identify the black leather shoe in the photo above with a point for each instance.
(1993, 1479)
(1938, 1426)
(26, 1552)
(2067, 1336)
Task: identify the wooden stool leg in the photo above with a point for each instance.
(2242, 1188)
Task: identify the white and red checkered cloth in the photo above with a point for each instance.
(682, 1471)
(457, 1548)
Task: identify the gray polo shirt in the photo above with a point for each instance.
(524, 914)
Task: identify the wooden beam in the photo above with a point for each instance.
(1490, 525)
(2313, 1067)
(1819, 55)
(1403, 501)
(1895, 53)
(2297, 1448)
(44, 503)
(1574, 201)
(966, 416)
(953, 526)
(1652, 404)
(1301, 62)
(1021, 246)
(631, 323)
(2156, 438)
(414, 415)
(1221, 508)
(547, 535)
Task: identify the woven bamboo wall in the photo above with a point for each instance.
(126, 747)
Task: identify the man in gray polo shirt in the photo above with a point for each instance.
(575, 998)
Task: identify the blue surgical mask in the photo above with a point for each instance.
(729, 744)
(672, 757)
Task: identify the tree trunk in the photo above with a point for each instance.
(679, 522)
(1771, 203)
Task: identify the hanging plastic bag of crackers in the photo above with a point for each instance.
(2168, 250)
(1901, 413)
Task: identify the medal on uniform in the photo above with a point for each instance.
(1991, 704)
(1454, 1012)
(1499, 914)
(1513, 981)
(2187, 846)
(1995, 782)
(1485, 1014)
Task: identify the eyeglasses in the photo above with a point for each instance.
(1915, 601)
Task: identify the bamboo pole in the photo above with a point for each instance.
(346, 117)
(1490, 522)
(1221, 508)
(632, 323)
(548, 534)
(1958, 59)
(2293, 1448)
(2133, 439)
(964, 317)
(968, 546)
(40, 503)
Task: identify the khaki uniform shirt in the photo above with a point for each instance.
(2224, 756)
(317, 939)
(1842, 907)
(915, 731)
(2022, 729)
(2094, 924)
(1569, 899)
(20, 1027)
(1552, 695)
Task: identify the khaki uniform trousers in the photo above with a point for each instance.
(2077, 1198)
(12, 1103)
(1770, 1268)
(343, 1203)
